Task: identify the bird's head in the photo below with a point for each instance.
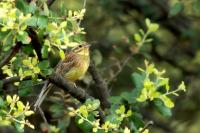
(82, 49)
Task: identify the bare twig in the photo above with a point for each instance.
(84, 6)
(35, 43)
(17, 79)
(150, 123)
(14, 79)
(121, 66)
(10, 54)
(50, 2)
(102, 87)
(45, 120)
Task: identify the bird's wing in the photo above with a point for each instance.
(65, 65)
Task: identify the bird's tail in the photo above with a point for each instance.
(45, 89)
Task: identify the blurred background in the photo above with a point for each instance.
(110, 26)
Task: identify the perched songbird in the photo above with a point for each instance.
(72, 68)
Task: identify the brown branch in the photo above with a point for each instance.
(73, 90)
(50, 2)
(14, 79)
(35, 43)
(150, 123)
(10, 54)
(102, 87)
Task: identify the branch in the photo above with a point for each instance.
(121, 66)
(35, 43)
(150, 123)
(102, 87)
(73, 90)
(50, 2)
(10, 54)
(14, 79)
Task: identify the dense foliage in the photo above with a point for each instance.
(123, 94)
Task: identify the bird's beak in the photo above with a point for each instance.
(87, 45)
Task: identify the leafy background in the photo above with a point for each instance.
(110, 27)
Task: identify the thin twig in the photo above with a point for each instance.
(14, 79)
(150, 123)
(10, 54)
(123, 64)
(35, 43)
(50, 2)
(44, 118)
(84, 6)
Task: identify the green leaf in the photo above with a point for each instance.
(32, 21)
(162, 108)
(32, 7)
(96, 104)
(19, 127)
(36, 70)
(42, 21)
(85, 126)
(137, 120)
(8, 99)
(28, 113)
(129, 96)
(21, 5)
(153, 27)
(121, 110)
(46, 10)
(196, 6)
(20, 105)
(115, 99)
(148, 22)
(27, 63)
(138, 80)
(63, 24)
(2, 103)
(62, 54)
(28, 49)
(43, 64)
(28, 73)
(182, 86)
(167, 101)
(176, 9)
(137, 37)
(25, 88)
(44, 51)
(80, 121)
(24, 38)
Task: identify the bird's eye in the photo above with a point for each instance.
(80, 46)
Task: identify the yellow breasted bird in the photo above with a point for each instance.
(72, 68)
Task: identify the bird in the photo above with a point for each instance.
(73, 67)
